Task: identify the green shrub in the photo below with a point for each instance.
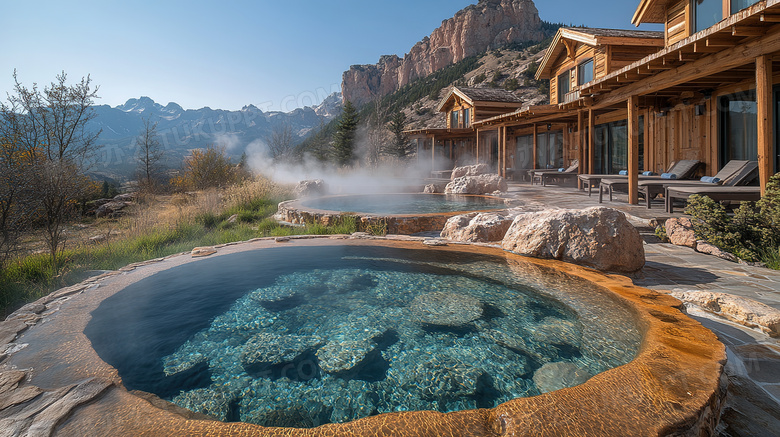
(751, 233)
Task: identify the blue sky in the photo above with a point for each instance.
(273, 54)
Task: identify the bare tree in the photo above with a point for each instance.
(281, 143)
(377, 134)
(150, 153)
(53, 132)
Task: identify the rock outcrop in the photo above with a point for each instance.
(473, 30)
(482, 184)
(469, 170)
(738, 309)
(598, 237)
(312, 188)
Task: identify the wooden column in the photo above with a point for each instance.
(633, 150)
(476, 149)
(433, 153)
(764, 101)
(503, 151)
(581, 147)
(591, 141)
(535, 144)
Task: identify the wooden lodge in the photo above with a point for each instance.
(706, 88)
(463, 107)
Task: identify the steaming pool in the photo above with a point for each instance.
(402, 213)
(359, 333)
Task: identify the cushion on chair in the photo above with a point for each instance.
(669, 176)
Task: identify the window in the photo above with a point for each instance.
(585, 72)
(738, 127)
(706, 13)
(564, 85)
(738, 5)
(467, 117)
(454, 120)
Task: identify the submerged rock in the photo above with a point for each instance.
(278, 349)
(343, 356)
(446, 309)
(598, 237)
(560, 375)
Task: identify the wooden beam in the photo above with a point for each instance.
(633, 150)
(764, 101)
(747, 31)
(769, 18)
(707, 66)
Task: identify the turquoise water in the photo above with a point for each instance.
(405, 203)
(306, 336)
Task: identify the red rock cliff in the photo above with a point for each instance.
(473, 30)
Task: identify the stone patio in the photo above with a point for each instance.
(753, 402)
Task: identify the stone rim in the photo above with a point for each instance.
(673, 386)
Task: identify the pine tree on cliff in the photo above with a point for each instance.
(344, 139)
(401, 146)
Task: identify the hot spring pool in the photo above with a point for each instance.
(416, 341)
(304, 336)
(398, 204)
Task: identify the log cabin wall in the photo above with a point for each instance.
(678, 22)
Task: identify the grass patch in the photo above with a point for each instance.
(150, 233)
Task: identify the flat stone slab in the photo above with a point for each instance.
(445, 309)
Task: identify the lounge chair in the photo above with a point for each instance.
(734, 173)
(715, 192)
(594, 180)
(544, 175)
(681, 170)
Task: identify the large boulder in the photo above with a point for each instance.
(482, 184)
(597, 237)
(111, 209)
(311, 188)
(477, 228)
(680, 232)
(469, 170)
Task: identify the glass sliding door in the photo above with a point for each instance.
(738, 127)
(524, 153)
(549, 149)
(611, 147)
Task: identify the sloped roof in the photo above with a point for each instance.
(595, 37)
(472, 95)
(650, 11)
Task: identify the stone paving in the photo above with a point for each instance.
(753, 403)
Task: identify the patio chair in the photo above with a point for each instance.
(734, 173)
(681, 170)
(543, 175)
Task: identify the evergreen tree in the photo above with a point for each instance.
(344, 139)
(400, 147)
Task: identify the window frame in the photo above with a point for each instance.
(592, 63)
(694, 21)
(561, 94)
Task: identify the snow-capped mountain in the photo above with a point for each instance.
(181, 130)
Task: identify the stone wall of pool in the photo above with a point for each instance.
(58, 383)
(300, 213)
